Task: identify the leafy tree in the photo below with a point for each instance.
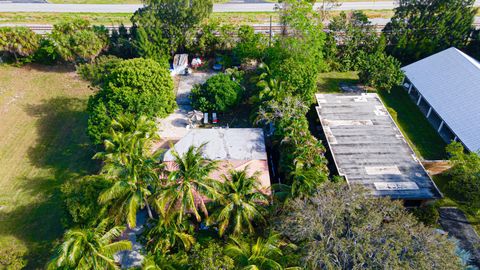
(355, 35)
(174, 18)
(129, 166)
(76, 40)
(380, 71)
(81, 199)
(250, 45)
(188, 186)
(47, 53)
(138, 87)
(210, 256)
(218, 93)
(121, 43)
(99, 69)
(299, 77)
(343, 227)
(465, 174)
(21, 42)
(211, 37)
(240, 204)
(263, 254)
(91, 248)
(420, 28)
(151, 45)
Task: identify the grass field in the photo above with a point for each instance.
(43, 144)
(420, 134)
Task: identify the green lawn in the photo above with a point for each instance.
(43, 144)
(420, 134)
(329, 82)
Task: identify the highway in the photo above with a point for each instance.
(7, 6)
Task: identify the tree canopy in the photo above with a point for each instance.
(18, 41)
(219, 93)
(137, 86)
(342, 227)
(420, 28)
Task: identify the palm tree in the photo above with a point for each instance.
(264, 254)
(91, 248)
(166, 235)
(188, 186)
(131, 166)
(272, 86)
(239, 204)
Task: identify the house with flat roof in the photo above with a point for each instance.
(446, 88)
(368, 148)
(234, 148)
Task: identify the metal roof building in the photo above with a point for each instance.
(368, 148)
(446, 87)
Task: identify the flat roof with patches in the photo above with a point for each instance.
(369, 149)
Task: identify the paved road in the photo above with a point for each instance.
(6, 6)
(455, 223)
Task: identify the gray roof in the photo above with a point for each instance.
(224, 144)
(369, 149)
(450, 82)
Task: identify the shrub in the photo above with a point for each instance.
(250, 44)
(47, 53)
(465, 174)
(99, 70)
(427, 214)
(380, 71)
(11, 258)
(151, 45)
(137, 86)
(219, 93)
(121, 43)
(77, 41)
(20, 42)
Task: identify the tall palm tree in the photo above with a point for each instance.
(131, 166)
(91, 248)
(240, 203)
(264, 254)
(188, 187)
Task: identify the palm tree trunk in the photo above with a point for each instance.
(150, 215)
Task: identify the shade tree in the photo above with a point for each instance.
(19, 42)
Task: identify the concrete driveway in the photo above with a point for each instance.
(174, 126)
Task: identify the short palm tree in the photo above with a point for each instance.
(131, 166)
(271, 86)
(240, 203)
(264, 254)
(188, 187)
(166, 235)
(91, 248)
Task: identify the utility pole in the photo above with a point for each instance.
(270, 32)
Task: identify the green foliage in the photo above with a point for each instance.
(129, 166)
(356, 35)
(219, 93)
(188, 186)
(12, 259)
(262, 254)
(76, 40)
(240, 204)
(250, 45)
(98, 70)
(121, 43)
(172, 18)
(211, 37)
(151, 45)
(210, 257)
(47, 53)
(91, 248)
(380, 71)
(343, 227)
(81, 199)
(20, 42)
(421, 28)
(427, 214)
(137, 86)
(465, 174)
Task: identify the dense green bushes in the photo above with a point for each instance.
(380, 71)
(138, 86)
(99, 70)
(19, 42)
(219, 93)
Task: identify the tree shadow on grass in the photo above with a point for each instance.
(63, 153)
(332, 84)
